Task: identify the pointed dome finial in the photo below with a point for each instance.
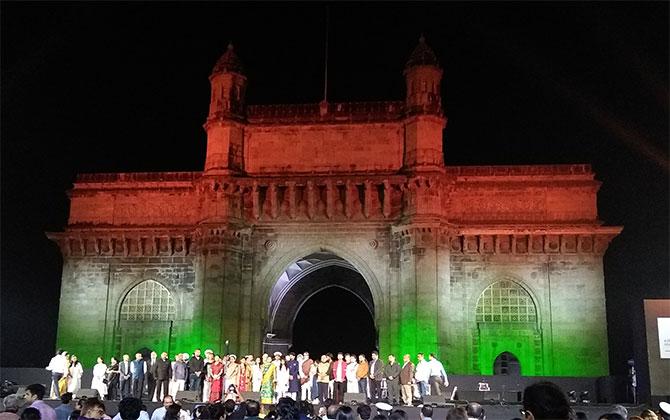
(422, 55)
(229, 62)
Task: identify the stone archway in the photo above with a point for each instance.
(304, 279)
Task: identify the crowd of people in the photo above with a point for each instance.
(541, 401)
(214, 378)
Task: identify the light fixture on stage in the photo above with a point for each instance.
(584, 397)
(572, 396)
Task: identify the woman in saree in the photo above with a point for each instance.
(267, 383)
(215, 376)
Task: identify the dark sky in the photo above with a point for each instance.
(109, 87)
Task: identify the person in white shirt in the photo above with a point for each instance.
(75, 372)
(256, 375)
(98, 381)
(57, 366)
(352, 380)
(159, 413)
(438, 376)
(422, 375)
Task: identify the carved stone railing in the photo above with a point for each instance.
(330, 113)
(520, 170)
(103, 178)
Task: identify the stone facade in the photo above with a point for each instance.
(469, 262)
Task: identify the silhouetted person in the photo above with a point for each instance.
(31, 413)
(130, 408)
(364, 411)
(545, 400)
(612, 416)
(12, 405)
(253, 410)
(427, 412)
(475, 411)
(64, 409)
(457, 413)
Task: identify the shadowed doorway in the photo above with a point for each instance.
(334, 319)
(317, 304)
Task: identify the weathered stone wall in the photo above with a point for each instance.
(94, 288)
(568, 293)
(134, 199)
(319, 148)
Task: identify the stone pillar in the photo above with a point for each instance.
(291, 199)
(418, 292)
(310, 190)
(386, 205)
(256, 207)
(330, 199)
(212, 296)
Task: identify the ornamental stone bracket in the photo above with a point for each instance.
(595, 243)
(74, 244)
(581, 241)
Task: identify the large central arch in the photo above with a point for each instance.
(308, 275)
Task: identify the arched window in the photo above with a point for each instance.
(148, 301)
(506, 302)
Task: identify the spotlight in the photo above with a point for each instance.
(572, 396)
(584, 397)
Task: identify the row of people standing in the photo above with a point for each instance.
(377, 380)
(150, 379)
(298, 377)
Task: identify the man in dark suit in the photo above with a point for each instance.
(151, 376)
(376, 376)
(406, 379)
(124, 377)
(163, 374)
(196, 366)
(392, 373)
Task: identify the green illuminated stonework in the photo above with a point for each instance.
(474, 263)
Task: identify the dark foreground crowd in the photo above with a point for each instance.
(543, 400)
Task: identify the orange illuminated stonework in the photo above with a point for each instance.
(362, 186)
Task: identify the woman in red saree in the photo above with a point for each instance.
(215, 376)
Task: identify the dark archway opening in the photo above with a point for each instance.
(332, 320)
(507, 364)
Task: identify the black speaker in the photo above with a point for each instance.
(248, 395)
(470, 395)
(354, 397)
(88, 393)
(512, 396)
(490, 396)
(190, 396)
(438, 400)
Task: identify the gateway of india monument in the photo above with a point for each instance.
(478, 264)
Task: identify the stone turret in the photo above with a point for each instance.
(227, 114)
(423, 104)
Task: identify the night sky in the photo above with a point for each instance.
(112, 87)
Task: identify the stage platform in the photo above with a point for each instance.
(605, 389)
